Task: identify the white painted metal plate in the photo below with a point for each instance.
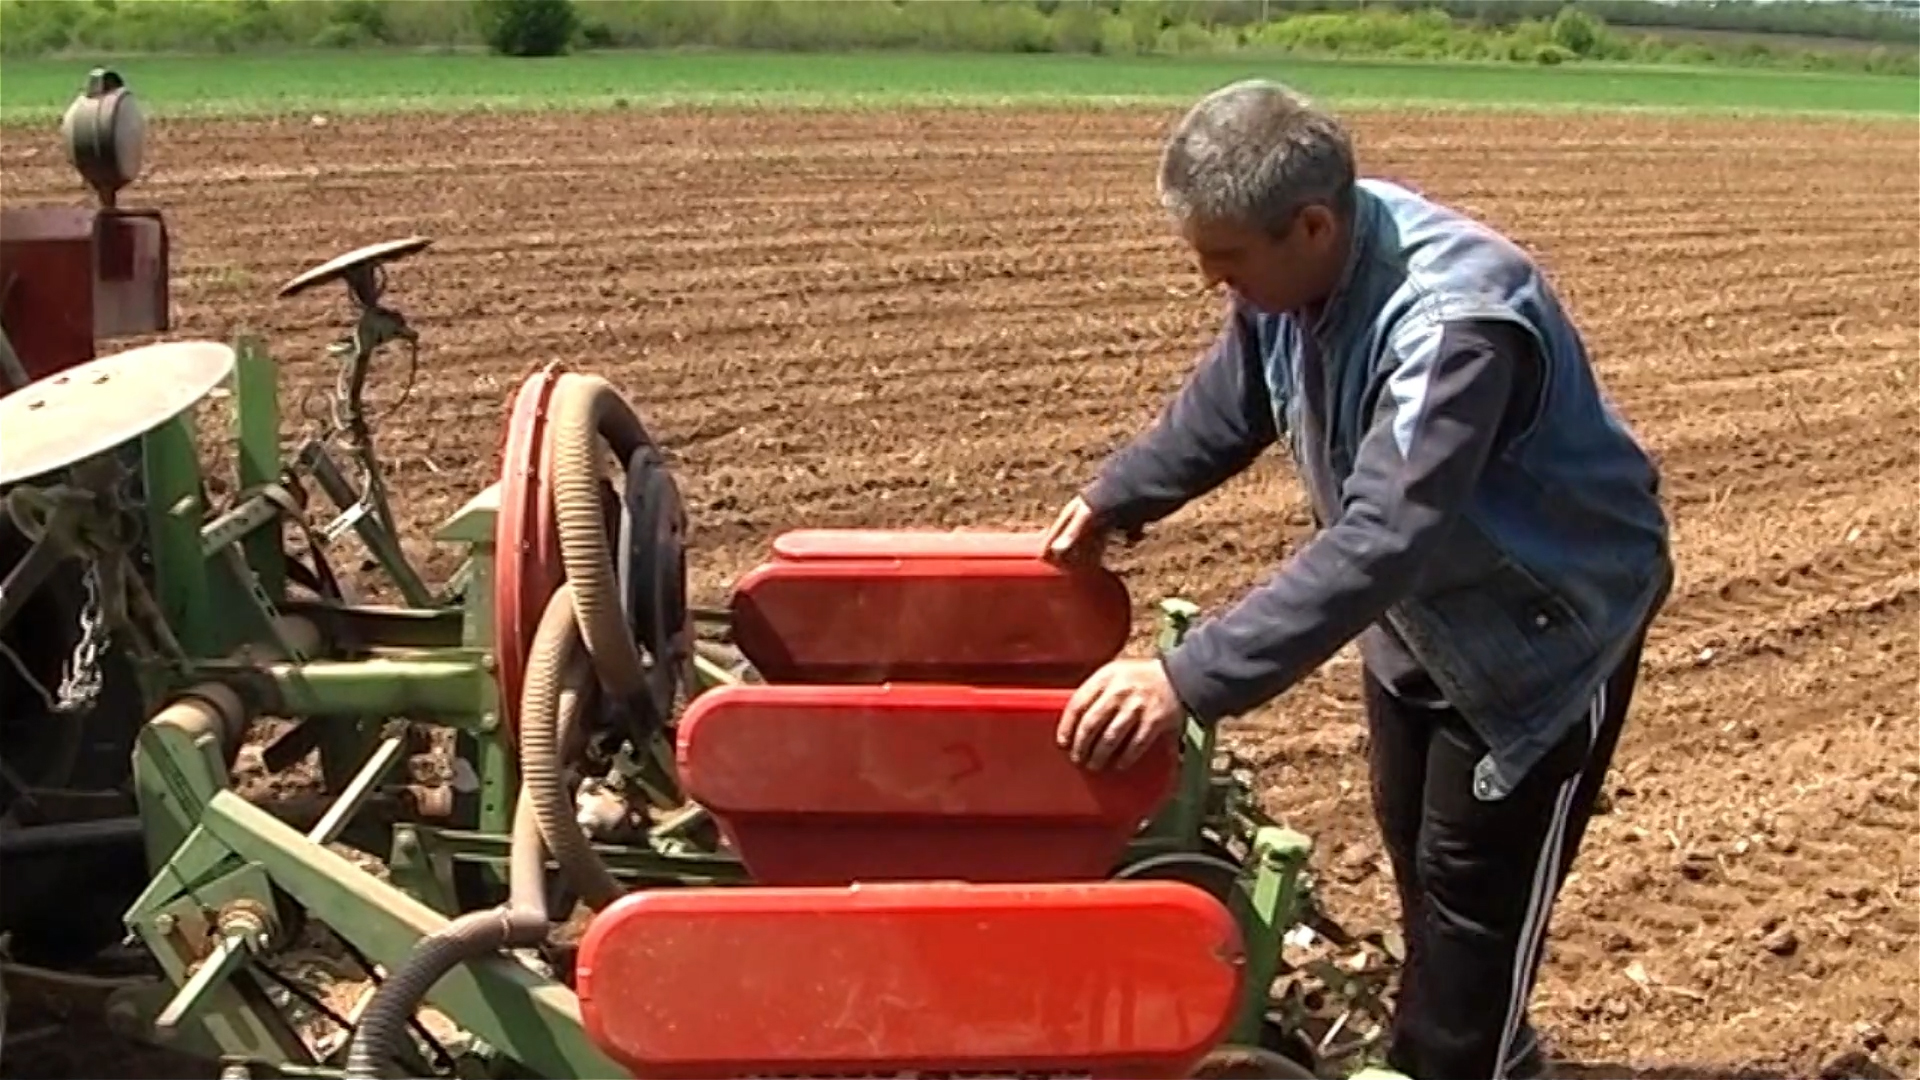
(65, 418)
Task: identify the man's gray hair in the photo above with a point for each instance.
(1252, 154)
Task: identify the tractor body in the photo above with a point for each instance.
(822, 831)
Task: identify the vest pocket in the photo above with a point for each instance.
(1509, 641)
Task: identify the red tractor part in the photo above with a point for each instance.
(826, 785)
(1115, 980)
(526, 541)
(72, 276)
(800, 545)
(998, 621)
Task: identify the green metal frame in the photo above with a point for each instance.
(228, 875)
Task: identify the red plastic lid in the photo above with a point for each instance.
(803, 544)
(831, 784)
(978, 621)
(1114, 979)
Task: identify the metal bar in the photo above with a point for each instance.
(13, 374)
(236, 1018)
(1271, 906)
(379, 763)
(1181, 818)
(170, 462)
(237, 524)
(28, 575)
(363, 628)
(227, 957)
(636, 863)
(532, 1019)
(35, 839)
(256, 436)
(453, 692)
(381, 543)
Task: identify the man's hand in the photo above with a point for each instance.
(1118, 713)
(1075, 537)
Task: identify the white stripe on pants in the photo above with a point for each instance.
(1546, 880)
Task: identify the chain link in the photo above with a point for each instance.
(80, 686)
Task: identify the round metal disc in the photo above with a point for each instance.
(68, 417)
(332, 269)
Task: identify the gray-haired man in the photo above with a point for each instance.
(1488, 528)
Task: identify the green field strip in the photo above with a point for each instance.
(36, 90)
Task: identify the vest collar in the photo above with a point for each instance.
(1338, 306)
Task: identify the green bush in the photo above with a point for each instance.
(1576, 31)
(526, 27)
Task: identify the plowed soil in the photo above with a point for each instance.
(950, 317)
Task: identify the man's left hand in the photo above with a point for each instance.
(1118, 713)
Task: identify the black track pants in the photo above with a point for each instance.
(1478, 880)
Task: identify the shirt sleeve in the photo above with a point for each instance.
(1438, 414)
(1218, 423)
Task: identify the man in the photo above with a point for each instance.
(1488, 529)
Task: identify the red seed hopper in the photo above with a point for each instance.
(869, 606)
(1118, 979)
(822, 785)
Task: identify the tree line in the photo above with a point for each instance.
(1495, 30)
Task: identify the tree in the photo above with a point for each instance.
(526, 27)
(1576, 31)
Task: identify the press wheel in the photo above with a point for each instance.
(1250, 1063)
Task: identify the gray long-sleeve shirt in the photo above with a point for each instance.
(1484, 385)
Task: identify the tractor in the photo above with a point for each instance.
(586, 826)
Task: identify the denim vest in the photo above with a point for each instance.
(1562, 555)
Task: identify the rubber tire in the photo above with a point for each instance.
(1251, 1063)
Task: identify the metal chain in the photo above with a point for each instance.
(80, 685)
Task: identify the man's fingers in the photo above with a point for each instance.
(1065, 533)
(1126, 719)
(1144, 736)
(1073, 537)
(1083, 696)
(1094, 721)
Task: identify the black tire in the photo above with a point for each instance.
(1251, 1063)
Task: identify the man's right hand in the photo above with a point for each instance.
(1076, 537)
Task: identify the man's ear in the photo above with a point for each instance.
(1319, 222)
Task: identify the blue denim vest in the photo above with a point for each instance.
(1563, 553)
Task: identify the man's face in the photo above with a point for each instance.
(1273, 272)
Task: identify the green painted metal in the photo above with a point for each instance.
(368, 517)
(448, 687)
(226, 1012)
(1269, 907)
(177, 770)
(175, 508)
(1182, 819)
(531, 1019)
(256, 436)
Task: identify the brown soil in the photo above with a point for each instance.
(948, 318)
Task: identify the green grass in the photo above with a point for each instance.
(35, 90)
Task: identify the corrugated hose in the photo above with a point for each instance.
(583, 635)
